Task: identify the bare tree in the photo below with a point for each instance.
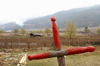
(70, 30)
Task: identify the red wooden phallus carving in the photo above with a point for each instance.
(80, 50)
(90, 48)
(56, 34)
(39, 56)
(53, 19)
(60, 53)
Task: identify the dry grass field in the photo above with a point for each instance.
(85, 59)
(11, 56)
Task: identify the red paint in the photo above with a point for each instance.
(39, 56)
(90, 48)
(55, 33)
(80, 50)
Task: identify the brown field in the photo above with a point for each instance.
(10, 55)
(8, 42)
(11, 58)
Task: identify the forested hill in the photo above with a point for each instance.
(87, 16)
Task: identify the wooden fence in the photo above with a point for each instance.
(8, 42)
(25, 42)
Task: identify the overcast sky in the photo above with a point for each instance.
(20, 10)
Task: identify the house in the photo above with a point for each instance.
(36, 35)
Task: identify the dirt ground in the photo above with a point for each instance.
(11, 57)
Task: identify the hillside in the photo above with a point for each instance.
(87, 16)
(10, 26)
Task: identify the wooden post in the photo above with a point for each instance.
(11, 44)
